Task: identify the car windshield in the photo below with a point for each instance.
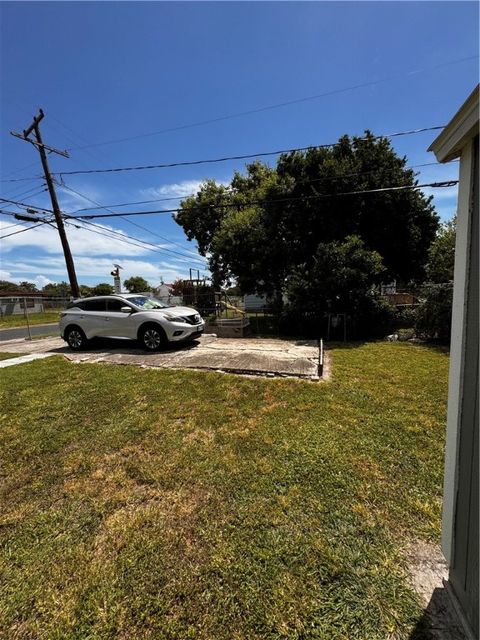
(147, 303)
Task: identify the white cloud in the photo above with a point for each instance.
(41, 281)
(173, 190)
(176, 190)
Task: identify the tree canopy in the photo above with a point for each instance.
(136, 284)
(441, 256)
(269, 222)
(102, 289)
(24, 287)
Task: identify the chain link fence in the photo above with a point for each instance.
(27, 312)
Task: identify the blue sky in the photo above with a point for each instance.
(107, 71)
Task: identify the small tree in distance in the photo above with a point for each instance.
(102, 289)
(136, 284)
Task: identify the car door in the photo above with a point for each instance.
(117, 323)
(92, 320)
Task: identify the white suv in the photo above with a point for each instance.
(133, 316)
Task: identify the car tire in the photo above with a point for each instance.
(152, 337)
(75, 338)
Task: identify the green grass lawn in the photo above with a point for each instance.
(7, 356)
(156, 504)
(10, 322)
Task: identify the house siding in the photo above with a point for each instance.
(464, 563)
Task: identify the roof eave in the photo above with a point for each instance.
(462, 127)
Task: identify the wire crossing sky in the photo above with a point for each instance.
(193, 91)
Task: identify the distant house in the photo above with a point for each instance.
(460, 540)
(164, 290)
(15, 303)
(252, 302)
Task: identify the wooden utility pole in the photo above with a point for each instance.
(72, 276)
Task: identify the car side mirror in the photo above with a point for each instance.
(126, 309)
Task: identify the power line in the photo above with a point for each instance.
(25, 205)
(23, 230)
(10, 226)
(128, 204)
(241, 157)
(31, 192)
(116, 235)
(190, 195)
(279, 104)
(28, 166)
(434, 185)
(184, 255)
(22, 179)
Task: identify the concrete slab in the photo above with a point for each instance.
(251, 356)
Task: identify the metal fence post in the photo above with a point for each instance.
(26, 316)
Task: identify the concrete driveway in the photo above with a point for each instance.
(248, 356)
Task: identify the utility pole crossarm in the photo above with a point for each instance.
(38, 143)
(22, 136)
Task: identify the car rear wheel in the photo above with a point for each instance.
(75, 338)
(152, 338)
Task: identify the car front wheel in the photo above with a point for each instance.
(152, 338)
(75, 338)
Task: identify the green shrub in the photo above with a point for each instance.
(434, 315)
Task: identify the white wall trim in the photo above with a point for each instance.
(457, 346)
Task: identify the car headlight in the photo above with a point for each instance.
(171, 318)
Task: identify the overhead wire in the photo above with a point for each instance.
(65, 186)
(189, 254)
(24, 229)
(280, 104)
(243, 156)
(25, 205)
(10, 226)
(322, 179)
(22, 179)
(31, 192)
(434, 185)
(184, 255)
(116, 235)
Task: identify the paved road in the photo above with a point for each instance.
(22, 332)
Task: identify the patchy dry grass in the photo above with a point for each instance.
(171, 505)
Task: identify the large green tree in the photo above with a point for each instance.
(270, 221)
